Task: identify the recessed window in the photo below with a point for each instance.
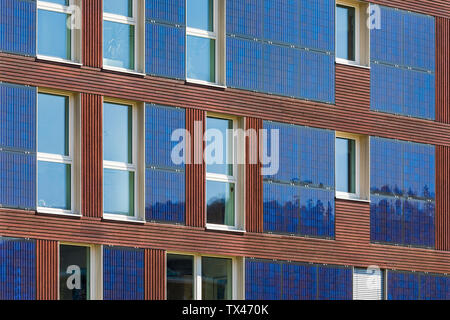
(217, 278)
(58, 29)
(346, 165)
(74, 273)
(55, 153)
(180, 277)
(345, 32)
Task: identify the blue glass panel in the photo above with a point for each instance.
(386, 219)
(317, 148)
(222, 130)
(118, 45)
(345, 32)
(434, 287)
(419, 170)
(18, 26)
(419, 94)
(282, 21)
(17, 117)
(281, 208)
(317, 76)
(419, 41)
(17, 269)
(200, 14)
(61, 2)
(281, 70)
(123, 273)
(262, 280)
(386, 44)
(54, 37)
(201, 58)
(118, 192)
(386, 166)
(17, 180)
(403, 286)
(172, 11)
(119, 7)
(54, 185)
(419, 223)
(245, 18)
(386, 88)
(317, 27)
(299, 282)
(244, 64)
(335, 283)
(317, 212)
(289, 151)
(160, 124)
(117, 132)
(165, 50)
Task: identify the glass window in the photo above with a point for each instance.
(346, 165)
(118, 190)
(117, 132)
(345, 32)
(54, 170)
(200, 14)
(216, 278)
(119, 34)
(74, 272)
(180, 277)
(220, 203)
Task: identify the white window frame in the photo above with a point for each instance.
(139, 38)
(56, 158)
(219, 44)
(237, 147)
(134, 166)
(357, 31)
(75, 39)
(95, 269)
(237, 274)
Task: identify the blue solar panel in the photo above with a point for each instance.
(419, 170)
(419, 223)
(123, 273)
(335, 283)
(172, 11)
(281, 70)
(402, 285)
(317, 24)
(419, 41)
(245, 18)
(317, 76)
(17, 117)
(281, 208)
(386, 219)
(262, 280)
(299, 282)
(386, 88)
(317, 212)
(160, 123)
(17, 269)
(418, 94)
(316, 157)
(282, 21)
(244, 64)
(165, 50)
(18, 27)
(17, 180)
(434, 287)
(165, 196)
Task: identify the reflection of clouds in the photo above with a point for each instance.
(42, 203)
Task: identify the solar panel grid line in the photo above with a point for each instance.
(171, 12)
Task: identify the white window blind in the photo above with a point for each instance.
(368, 284)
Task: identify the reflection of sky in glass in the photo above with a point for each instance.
(220, 202)
(53, 34)
(120, 7)
(117, 132)
(345, 32)
(221, 125)
(200, 14)
(344, 162)
(54, 185)
(118, 45)
(53, 124)
(118, 192)
(201, 59)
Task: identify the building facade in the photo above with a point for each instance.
(338, 111)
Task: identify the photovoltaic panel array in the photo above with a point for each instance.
(402, 192)
(18, 27)
(275, 280)
(282, 47)
(299, 198)
(17, 269)
(165, 177)
(123, 273)
(404, 285)
(17, 146)
(165, 38)
(403, 64)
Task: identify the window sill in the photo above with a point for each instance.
(219, 227)
(58, 60)
(351, 197)
(57, 212)
(205, 83)
(351, 63)
(123, 70)
(117, 217)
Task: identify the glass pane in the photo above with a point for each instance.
(180, 277)
(201, 59)
(54, 37)
(225, 127)
(220, 202)
(120, 7)
(54, 185)
(53, 124)
(74, 273)
(345, 32)
(216, 278)
(61, 2)
(117, 132)
(118, 45)
(118, 192)
(345, 165)
(200, 14)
